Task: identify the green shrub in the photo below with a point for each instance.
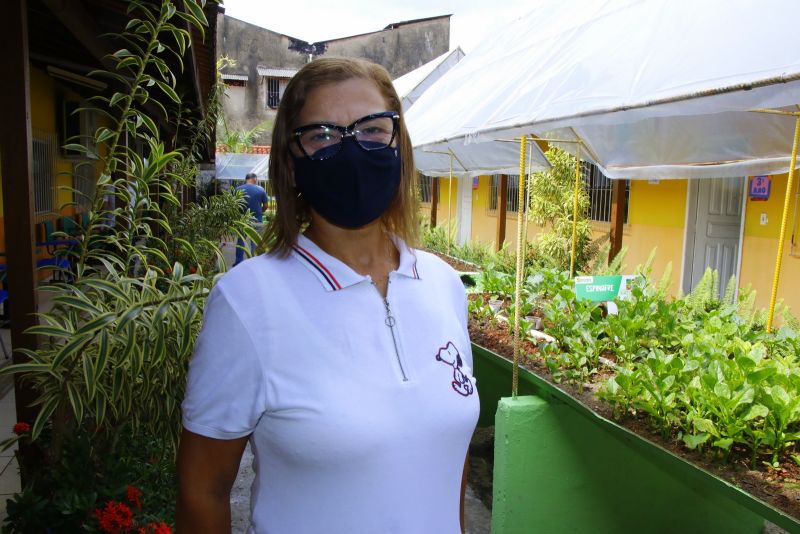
(110, 369)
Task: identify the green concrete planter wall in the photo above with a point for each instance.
(560, 467)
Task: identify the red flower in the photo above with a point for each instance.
(115, 518)
(21, 428)
(155, 528)
(192, 270)
(134, 496)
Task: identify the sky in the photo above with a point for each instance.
(320, 20)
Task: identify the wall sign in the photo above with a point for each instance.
(760, 187)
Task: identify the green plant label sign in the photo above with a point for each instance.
(603, 288)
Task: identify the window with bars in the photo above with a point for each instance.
(83, 182)
(44, 187)
(79, 125)
(425, 188)
(512, 193)
(598, 186)
(273, 92)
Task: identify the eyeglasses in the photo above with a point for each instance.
(324, 141)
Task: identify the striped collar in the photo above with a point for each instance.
(335, 274)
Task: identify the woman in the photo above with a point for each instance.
(343, 354)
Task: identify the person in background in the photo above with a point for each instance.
(257, 201)
(342, 356)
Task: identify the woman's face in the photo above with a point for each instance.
(340, 103)
(350, 183)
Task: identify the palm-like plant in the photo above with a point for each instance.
(114, 349)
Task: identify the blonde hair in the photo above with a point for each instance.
(293, 211)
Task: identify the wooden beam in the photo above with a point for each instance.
(193, 68)
(83, 26)
(618, 202)
(73, 15)
(502, 209)
(16, 158)
(434, 199)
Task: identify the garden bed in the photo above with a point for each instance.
(698, 376)
(776, 486)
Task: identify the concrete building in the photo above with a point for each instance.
(265, 61)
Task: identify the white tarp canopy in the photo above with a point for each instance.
(465, 161)
(654, 88)
(235, 166)
(411, 85)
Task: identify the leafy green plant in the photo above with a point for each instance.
(233, 140)
(577, 349)
(702, 369)
(552, 207)
(111, 365)
(198, 230)
(69, 494)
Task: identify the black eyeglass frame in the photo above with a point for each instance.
(347, 131)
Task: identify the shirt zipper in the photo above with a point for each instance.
(391, 322)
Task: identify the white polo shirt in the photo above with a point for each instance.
(359, 409)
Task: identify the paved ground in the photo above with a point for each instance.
(9, 472)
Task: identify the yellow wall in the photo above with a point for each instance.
(760, 248)
(46, 97)
(448, 202)
(484, 224)
(484, 221)
(652, 221)
(656, 219)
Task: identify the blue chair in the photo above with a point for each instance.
(62, 267)
(46, 238)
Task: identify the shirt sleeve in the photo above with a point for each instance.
(225, 391)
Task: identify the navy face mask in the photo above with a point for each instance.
(353, 188)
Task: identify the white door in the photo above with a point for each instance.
(464, 210)
(716, 238)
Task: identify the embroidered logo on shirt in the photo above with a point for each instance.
(462, 374)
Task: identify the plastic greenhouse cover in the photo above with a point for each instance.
(487, 158)
(654, 88)
(411, 85)
(231, 166)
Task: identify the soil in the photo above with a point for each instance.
(779, 486)
(457, 264)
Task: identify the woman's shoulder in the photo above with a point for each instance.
(431, 265)
(248, 277)
(431, 260)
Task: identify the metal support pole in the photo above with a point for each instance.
(575, 210)
(520, 268)
(784, 218)
(450, 205)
